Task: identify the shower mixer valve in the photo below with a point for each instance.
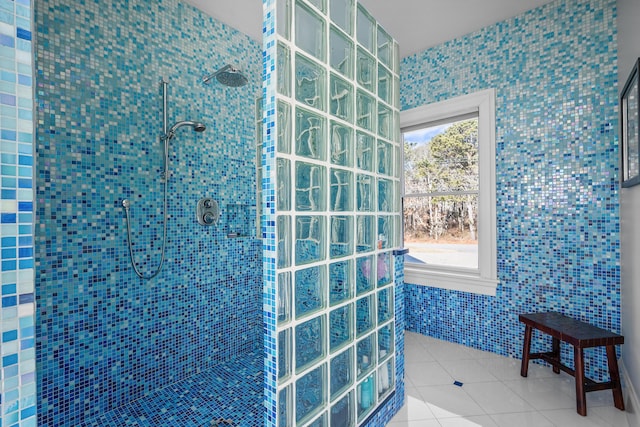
(207, 211)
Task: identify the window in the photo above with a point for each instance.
(449, 193)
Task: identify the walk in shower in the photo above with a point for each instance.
(149, 312)
(115, 349)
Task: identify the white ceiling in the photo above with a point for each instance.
(415, 24)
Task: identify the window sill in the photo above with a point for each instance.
(449, 280)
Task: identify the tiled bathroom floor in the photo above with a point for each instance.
(493, 393)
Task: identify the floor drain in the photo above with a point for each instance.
(222, 422)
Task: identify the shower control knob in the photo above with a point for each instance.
(207, 211)
(209, 218)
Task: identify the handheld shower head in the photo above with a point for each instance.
(228, 76)
(197, 126)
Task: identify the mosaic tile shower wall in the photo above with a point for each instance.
(18, 377)
(106, 337)
(554, 70)
(333, 289)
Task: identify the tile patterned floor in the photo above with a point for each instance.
(493, 394)
(230, 391)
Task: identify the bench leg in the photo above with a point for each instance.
(581, 397)
(614, 375)
(556, 354)
(526, 350)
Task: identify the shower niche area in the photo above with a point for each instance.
(331, 219)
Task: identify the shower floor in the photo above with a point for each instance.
(230, 391)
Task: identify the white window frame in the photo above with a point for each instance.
(484, 279)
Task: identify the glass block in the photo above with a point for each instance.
(342, 14)
(398, 170)
(385, 232)
(364, 193)
(385, 195)
(340, 282)
(341, 53)
(397, 234)
(283, 195)
(320, 4)
(310, 31)
(364, 151)
(365, 27)
(284, 297)
(310, 239)
(284, 127)
(310, 337)
(385, 158)
(385, 341)
(341, 197)
(366, 70)
(385, 304)
(341, 144)
(385, 47)
(310, 187)
(384, 270)
(365, 277)
(341, 96)
(311, 285)
(340, 327)
(321, 421)
(385, 122)
(283, 231)
(396, 57)
(364, 110)
(398, 133)
(284, 354)
(341, 374)
(283, 17)
(343, 412)
(285, 407)
(386, 378)
(341, 236)
(311, 394)
(365, 355)
(385, 85)
(310, 134)
(366, 396)
(283, 71)
(310, 83)
(365, 234)
(365, 315)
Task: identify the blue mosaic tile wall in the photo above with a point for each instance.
(18, 375)
(105, 337)
(268, 217)
(555, 72)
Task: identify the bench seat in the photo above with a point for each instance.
(581, 335)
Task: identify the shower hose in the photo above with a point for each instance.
(127, 205)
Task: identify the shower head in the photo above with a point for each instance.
(197, 126)
(228, 76)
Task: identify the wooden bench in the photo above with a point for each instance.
(581, 335)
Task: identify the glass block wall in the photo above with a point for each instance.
(18, 376)
(332, 214)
